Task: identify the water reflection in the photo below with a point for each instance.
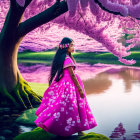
(39, 73)
(113, 107)
(99, 84)
(118, 132)
(103, 82)
(130, 76)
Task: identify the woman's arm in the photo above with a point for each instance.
(74, 78)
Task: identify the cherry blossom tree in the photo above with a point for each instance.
(90, 17)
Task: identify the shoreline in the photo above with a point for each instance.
(80, 57)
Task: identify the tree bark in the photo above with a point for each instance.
(14, 90)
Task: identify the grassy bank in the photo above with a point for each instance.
(38, 88)
(80, 57)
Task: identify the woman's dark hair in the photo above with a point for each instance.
(58, 61)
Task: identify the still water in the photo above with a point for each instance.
(113, 93)
(114, 97)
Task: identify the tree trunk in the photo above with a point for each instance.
(14, 90)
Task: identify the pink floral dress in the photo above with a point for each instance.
(62, 111)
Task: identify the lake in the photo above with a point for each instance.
(113, 93)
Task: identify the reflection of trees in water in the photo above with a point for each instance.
(27, 64)
(31, 68)
(28, 68)
(119, 132)
(128, 75)
(97, 85)
(137, 134)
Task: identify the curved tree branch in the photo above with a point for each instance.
(103, 8)
(42, 18)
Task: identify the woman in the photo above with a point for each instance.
(64, 109)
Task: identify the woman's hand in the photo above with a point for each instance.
(81, 92)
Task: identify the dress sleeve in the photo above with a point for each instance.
(68, 62)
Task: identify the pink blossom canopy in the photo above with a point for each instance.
(89, 17)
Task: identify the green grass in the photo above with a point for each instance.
(89, 57)
(36, 55)
(38, 88)
(34, 61)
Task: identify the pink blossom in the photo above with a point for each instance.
(129, 41)
(127, 62)
(72, 6)
(84, 3)
(134, 11)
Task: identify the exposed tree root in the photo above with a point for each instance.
(22, 96)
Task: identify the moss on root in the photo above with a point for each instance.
(21, 97)
(39, 134)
